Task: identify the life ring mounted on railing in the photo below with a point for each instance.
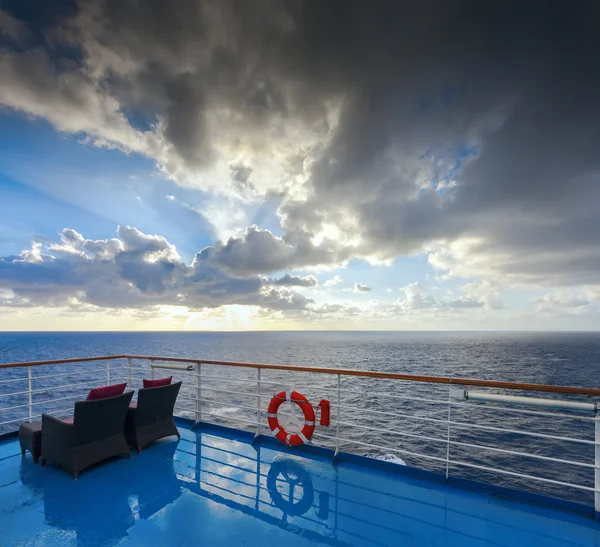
(291, 439)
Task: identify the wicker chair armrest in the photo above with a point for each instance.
(131, 418)
(54, 428)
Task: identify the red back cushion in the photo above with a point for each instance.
(106, 391)
(158, 382)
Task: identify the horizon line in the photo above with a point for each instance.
(232, 331)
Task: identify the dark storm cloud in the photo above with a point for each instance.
(185, 119)
(11, 29)
(432, 123)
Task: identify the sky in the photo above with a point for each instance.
(299, 164)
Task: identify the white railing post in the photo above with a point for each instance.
(448, 430)
(108, 371)
(129, 371)
(337, 423)
(29, 383)
(152, 369)
(258, 403)
(198, 391)
(597, 470)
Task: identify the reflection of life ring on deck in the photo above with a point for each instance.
(291, 439)
(294, 475)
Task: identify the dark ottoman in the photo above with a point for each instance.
(30, 438)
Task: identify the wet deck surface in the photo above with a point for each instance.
(214, 488)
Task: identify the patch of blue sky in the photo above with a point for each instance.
(445, 161)
(447, 164)
(142, 121)
(384, 281)
(120, 188)
(265, 216)
(520, 299)
(28, 213)
(461, 155)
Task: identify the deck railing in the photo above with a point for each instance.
(490, 430)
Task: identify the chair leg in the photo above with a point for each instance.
(43, 462)
(75, 475)
(23, 451)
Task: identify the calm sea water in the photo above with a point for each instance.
(548, 358)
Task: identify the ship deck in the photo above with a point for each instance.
(215, 486)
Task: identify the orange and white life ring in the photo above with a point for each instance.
(291, 439)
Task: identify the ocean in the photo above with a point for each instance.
(563, 358)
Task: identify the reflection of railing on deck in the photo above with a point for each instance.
(349, 517)
(459, 433)
(307, 507)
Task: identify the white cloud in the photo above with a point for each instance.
(568, 302)
(335, 280)
(417, 299)
(70, 101)
(260, 251)
(134, 270)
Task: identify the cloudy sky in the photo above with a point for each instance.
(299, 164)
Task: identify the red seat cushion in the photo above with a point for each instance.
(106, 391)
(158, 382)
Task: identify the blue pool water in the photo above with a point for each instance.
(551, 358)
(214, 487)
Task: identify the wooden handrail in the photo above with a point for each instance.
(573, 390)
(62, 361)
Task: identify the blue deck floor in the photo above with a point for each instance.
(214, 488)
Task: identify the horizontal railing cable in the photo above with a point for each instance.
(220, 403)
(465, 464)
(477, 426)
(47, 401)
(471, 445)
(98, 371)
(470, 405)
(11, 380)
(232, 392)
(26, 418)
(51, 388)
(524, 476)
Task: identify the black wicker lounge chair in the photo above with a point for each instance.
(152, 417)
(95, 434)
